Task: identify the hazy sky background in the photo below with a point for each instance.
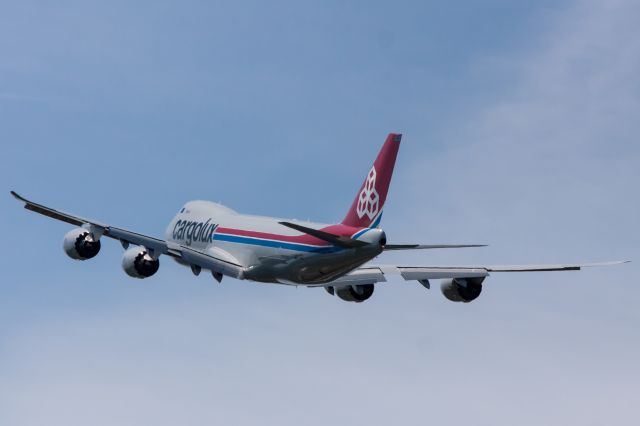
(521, 127)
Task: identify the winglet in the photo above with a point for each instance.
(18, 197)
(610, 263)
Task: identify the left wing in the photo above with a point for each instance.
(217, 264)
(125, 236)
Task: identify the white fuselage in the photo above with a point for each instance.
(265, 249)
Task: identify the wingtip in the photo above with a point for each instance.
(17, 196)
(609, 263)
(618, 262)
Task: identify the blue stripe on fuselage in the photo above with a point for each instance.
(373, 225)
(275, 244)
(360, 233)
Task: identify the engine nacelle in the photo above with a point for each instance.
(355, 293)
(80, 244)
(137, 263)
(462, 289)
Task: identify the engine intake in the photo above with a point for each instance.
(462, 289)
(80, 244)
(355, 293)
(137, 263)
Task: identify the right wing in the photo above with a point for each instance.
(376, 274)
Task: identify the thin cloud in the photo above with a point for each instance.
(7, 96)
(545, 171)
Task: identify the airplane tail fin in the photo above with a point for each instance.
(366, 210)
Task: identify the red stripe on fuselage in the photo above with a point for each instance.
(340, 230)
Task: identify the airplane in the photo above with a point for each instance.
(209, 236)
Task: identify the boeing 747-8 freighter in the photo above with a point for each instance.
(209, 236)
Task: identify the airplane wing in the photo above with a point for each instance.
(422, 274)
(154, 245)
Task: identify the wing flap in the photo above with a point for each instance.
(434, 273)
(360, 276)
(155, 244)
(208, 261)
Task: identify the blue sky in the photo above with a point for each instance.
(520, 126)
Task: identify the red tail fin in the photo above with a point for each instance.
(366, 209)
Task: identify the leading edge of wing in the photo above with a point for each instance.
(360, 276)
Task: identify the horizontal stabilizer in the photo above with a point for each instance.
(429, 246)
(336, 240)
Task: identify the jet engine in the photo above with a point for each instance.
(355, 293)
(137, 263)
(462, 289)
(80, 244)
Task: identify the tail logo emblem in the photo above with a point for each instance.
(368, 200)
